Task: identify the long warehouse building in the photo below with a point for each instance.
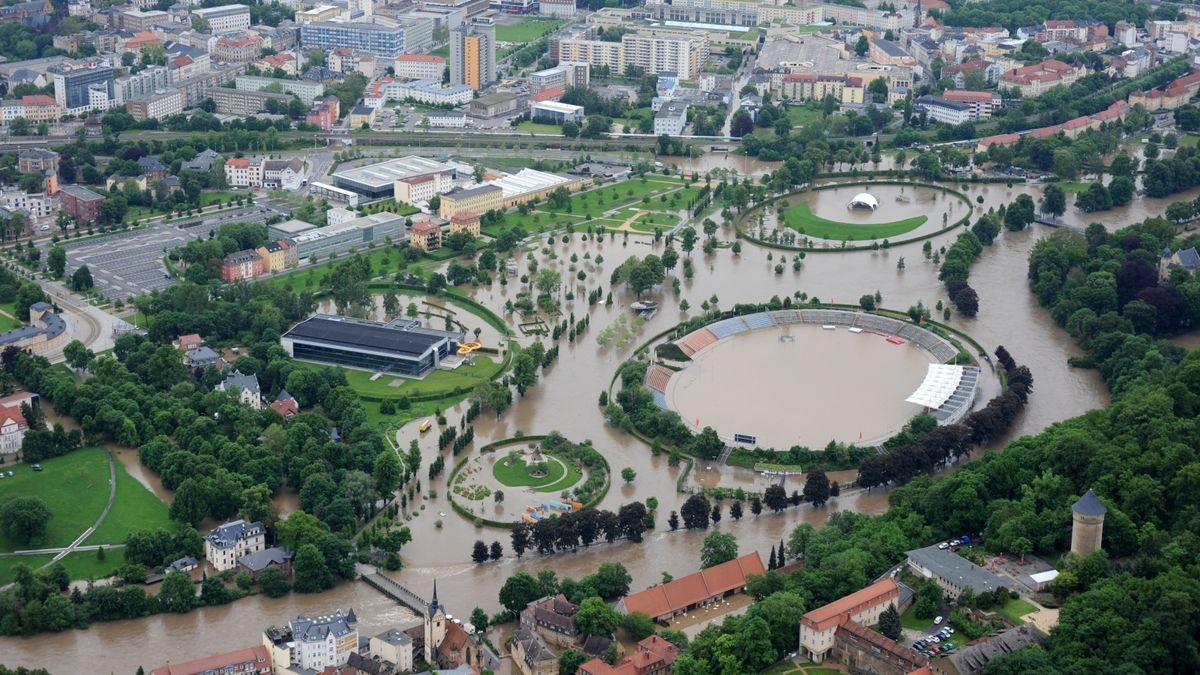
(400, 347)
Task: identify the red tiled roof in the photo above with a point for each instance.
(1046, 131)
(425, 227)
(968, 96)
(464, 217)
(546, 95)
(693, 588)
(839, 610)
(257, 654)
(38, 100)
(238, 163)
(420, 58)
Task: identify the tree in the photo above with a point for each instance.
(388, 472)
(480, 552)
(596, 617)
(570, 660)
(673, 521)
(479, 619)
(524, 372)
(862, 46)
(638, 625)
(519, 590)
(56, 261)
(628, 474)
(695, 512)
(687, 239)
(81, 279)
(496, 551)
(718, 547)
(775, 497)
(735, 510)
(78, 356)
(273, 583)
(178, 593)
(816, 488)
(611, 580)
(24, 518)
(1054, 201)
(310, 570)
(756, 506)
(1121, 190)
(889, 623)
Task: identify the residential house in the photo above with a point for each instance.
(695, 590)
(283, 173)
(653, 656)
(552, 617)
(531, 656)
(202, 357)
(241, 265)
(13, 424)
(152, 168)
(226, 543)
(1038, 78)
(1185, 259)
(244, 387)
(285, 405)
(276, 556)
(202, 162)
(425, 235)
(188, 342)
(394, 647)
(279, 255)
(244, 172)
(465, 221)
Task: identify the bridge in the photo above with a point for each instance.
(396, 592)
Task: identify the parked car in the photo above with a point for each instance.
(943, 546)
(937, 621)
(36, 467)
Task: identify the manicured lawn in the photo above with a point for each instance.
(799, 115)
(1013, 610)
(210, 198)
(384, 260)
(438, 381)
(515, 473)
(85, 565)
(1189, 140)
(74, 487)
(593, 203)
(909, 620)
(8, 563)
(136, 508)
(527, 30)
(650, 221)
(443, 51)
(538, 128)
(7, 323)
(789, 668)
(800, 218)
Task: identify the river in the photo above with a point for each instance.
(565, 399)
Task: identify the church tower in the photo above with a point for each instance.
(435, 627)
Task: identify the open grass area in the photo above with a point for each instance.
(649, 222)
(136, 508)
(7, 323)
(909, 620)
(1073, 188)
(539, 128)
(800, 115)
(589, 204)
(1013, 610)
(8, 563)
(443, 51)
(516, 473)
(384, 260)
(439, 380)
(74, 487)
(800, 218)
(210, 198)
(527, 30)
(789, 668)
(1189, 140)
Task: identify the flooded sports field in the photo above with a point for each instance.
(801, 385)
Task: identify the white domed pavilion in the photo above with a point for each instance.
(863, 200)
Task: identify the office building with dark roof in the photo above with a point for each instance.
(400, 347)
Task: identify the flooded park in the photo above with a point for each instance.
(811, 390)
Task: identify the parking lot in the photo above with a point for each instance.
(128, 264)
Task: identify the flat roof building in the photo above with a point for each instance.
(400, 347)
(555, 112)
(951, 571)
(359, 232)
(377, 181)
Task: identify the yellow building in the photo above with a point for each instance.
(425, 235)
(479, 199)
(465, 221)
(361, 115)
(279, 255)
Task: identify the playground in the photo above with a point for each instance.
(532, 484)
(801, 384)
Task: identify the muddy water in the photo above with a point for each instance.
(565, 399)
(800, 385)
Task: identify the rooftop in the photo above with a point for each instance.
(527, 180)
(227, 534)
(955, 569)
(385, 173)
(681, 593)
(881, 591)
(403, 337)
(1089, 505)
(974, 657)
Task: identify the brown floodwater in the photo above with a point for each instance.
(800, 385)
(565, 399)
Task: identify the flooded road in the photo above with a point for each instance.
(565, 399)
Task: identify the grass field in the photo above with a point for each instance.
(909, 620)
(1013, 610)
(800, 218)
(437, 381)
(81, 564)
(593, 203)
(527, 30)
(515, 473)
(539, 128)
(74, 487)
(7, 323)
(443, 51)
(136, 508)
(1074, 188)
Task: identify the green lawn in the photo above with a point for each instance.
(515, 473)
(8, 563)
(593, 203)
(538, 128)
(210, 198)
(384, 260)
(438, 381)
(443, 51)
(1189, 140)
(789, 668)
(909, 620)
(651, 221)
(800, 115)
(136, 508)
(81, 564)
(1013, 610)
(1074, 188)
(7, 324)
(74, 487)
(800, 218)
(527, 30)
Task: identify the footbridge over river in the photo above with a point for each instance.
(395, 591)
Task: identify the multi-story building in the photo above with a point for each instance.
(362, 116)
(653, 53)
(38, 205)
(562, 9)
(307, 90)
(146, 81)
(959, 71)
(37, 159)
(313, 643)
(137, 20)
(225, 18)
(1036, 79)
(473, 53)
(40, 108)
(248, 392)
(278, 255)
(430, 92)
(671, 119)
(317, 14)
(243, 103)
(237, 49)
(244, 172)
(324, 114)
(425, 235)
(254, 660)
(83, 89)
(465, 221)
(242, 265)
(419, 67)
(155, 106)
(283, 173)
(479, 199)
(396, 647)
(376, 39)
(421, 188)
(582, 49)
(864, 607)
(981, 103)
(554, 112)
(230, 541)
(941, 110)
(80, 203)
(498, 104)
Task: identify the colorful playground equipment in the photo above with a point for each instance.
(465, 348)
(534, 513)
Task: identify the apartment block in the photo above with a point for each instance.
(225, 18)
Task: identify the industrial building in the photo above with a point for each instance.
(400, 347)
(321, 242)
(377, 181)
(554, 112)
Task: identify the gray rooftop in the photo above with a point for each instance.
(236, 381)
(228, 534)
(203, 356)
(891, 48)
(394, 636)
(202, 161)
(975, 657)
(1089, 505)
(259, 561)
(954, 568)
(315, 629)
(463, 193)
(80, 192)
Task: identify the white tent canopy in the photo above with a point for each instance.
(939, 385)
(863, 200)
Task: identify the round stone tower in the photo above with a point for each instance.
(1087, 524)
